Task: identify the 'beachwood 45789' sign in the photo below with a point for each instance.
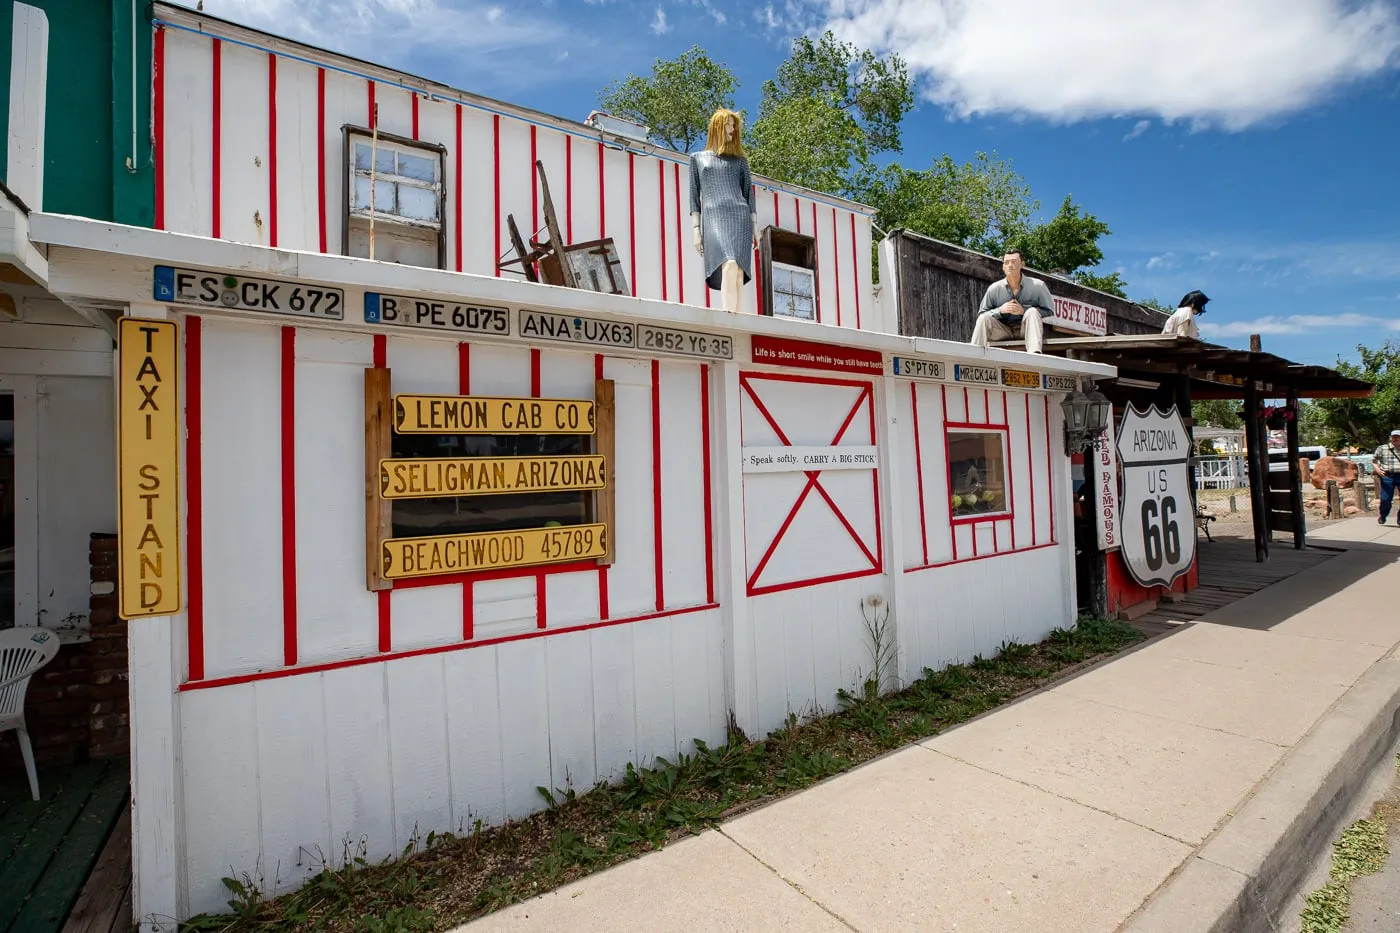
(1158, 530)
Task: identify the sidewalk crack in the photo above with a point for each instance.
(790, 883)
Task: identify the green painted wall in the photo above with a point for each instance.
(87, 143)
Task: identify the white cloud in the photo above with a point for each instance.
(1297, 324)
(713, 10)
(1164, 261)
(1142, 126)
(1205, 62)
(659, 26)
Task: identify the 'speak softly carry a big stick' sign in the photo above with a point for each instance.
(148, 467)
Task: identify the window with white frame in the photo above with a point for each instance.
(794, 291)
(395, 194)
(977, 468)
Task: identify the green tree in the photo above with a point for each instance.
(1113, 283)
(1217, 413)
(830, 108)
(978, 204)
(676, 100)
(1364, 422)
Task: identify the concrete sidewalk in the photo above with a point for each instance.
(1066, 811)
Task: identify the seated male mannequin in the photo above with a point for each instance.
(1014, 303)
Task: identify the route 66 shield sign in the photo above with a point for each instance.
(1158, 529)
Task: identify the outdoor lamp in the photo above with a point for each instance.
(1086, 416)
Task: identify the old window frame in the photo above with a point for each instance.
(351, 135)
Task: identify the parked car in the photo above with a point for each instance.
(1278, 457)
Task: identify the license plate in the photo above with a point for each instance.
(685, 342)
(231, 292)
(431, 314)
(1020, 379)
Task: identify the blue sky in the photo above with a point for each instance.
(1246, 148)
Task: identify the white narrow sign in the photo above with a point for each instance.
(1158, 532)
(1102, 462)
(810, 459)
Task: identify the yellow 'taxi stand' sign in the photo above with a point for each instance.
(148, 468)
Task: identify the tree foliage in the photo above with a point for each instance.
(676, 100)
(1217, 413)
(978, 204)
(830, 108)
(1363, 422)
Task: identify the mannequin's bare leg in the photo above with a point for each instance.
(732, 287)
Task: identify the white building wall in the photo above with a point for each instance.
(266, 167)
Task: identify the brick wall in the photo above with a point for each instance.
(76, 707)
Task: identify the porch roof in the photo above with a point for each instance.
(1215, 371)
(103, 266)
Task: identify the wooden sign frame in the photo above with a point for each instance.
(379, 437)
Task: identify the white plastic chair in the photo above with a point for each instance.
(23, 651)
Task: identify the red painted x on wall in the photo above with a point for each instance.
(844, 424)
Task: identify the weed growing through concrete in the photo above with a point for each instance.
(447, 879)
(1361, 850)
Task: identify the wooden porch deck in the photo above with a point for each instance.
(1229, 572)
(48, 850)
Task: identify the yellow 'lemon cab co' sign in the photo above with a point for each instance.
(453, 554)
(457, 414)
(148, 468)
(441, 477)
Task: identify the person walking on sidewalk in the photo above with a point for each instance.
(1386, 464)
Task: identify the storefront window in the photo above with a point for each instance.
(977, 464)
(415, 518)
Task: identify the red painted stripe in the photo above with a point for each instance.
(996, 539)
(414, 98)
(194, 492)
(875, 491)
(632, 216)
(680, 244)
(952, 531)
(815, 581)
(158, 121)
(968, 560)
(479, 576)
(496, 175)
(272, 150)
(782, 530)
(777, 211)
(919, 468)
(289, 495)
(218, 119)
(1010, 469)
(797, 212)
(1030, 474)
(981, 519)
(568, 188)
(321, 153)
(757, 270)
(978, 424)
(1049, 467)
(437, 649)
(836, 263)
(457, 219)
(603, 570)
(661, 189)
(370, 115)
(386, 644)
(974, 523)
(541, 600)
(602, 197)
(817, 246)
(464, 368)
(656, 514)
(535, 373)
(705, 479)
(840, 517)
(855, 268)
(534, 185)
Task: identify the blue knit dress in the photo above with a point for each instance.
(721, 190)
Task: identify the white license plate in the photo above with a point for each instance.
(233, 292)
(436, 315)
(689, 343)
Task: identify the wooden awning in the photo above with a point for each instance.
(1215, 371)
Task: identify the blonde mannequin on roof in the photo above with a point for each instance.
(723, 215)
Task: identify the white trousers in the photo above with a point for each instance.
(989, 328)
